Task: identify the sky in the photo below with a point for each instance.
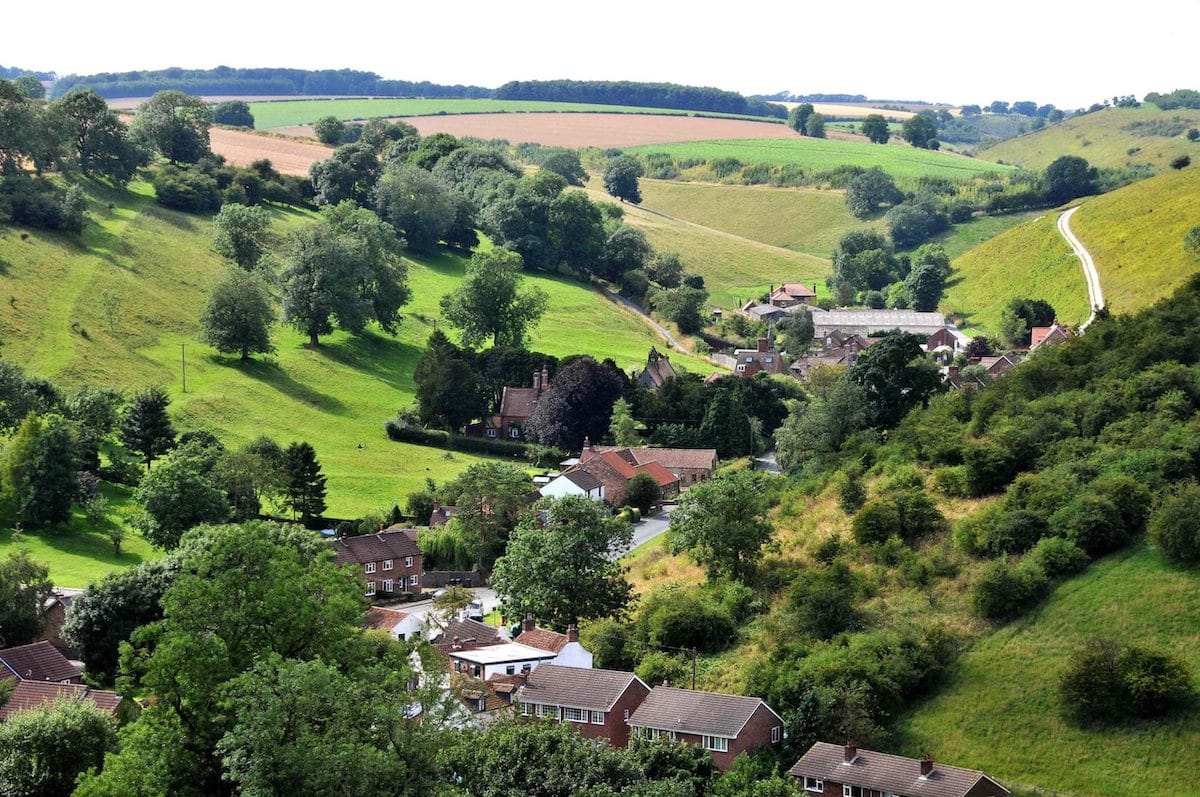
(1067, 52)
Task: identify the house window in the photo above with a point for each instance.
(575, 714)
(853, 791)
(741, 368)
(597, 717)
(510, 669)
(769, 359)
(717, 744)
(369, 567)
(528, 709)
(370, 587)
(408, 561)
(387, 564)
(626, 716)
(548, 711)
(514, 432)
(412, 581)
(775, 734)
(491, 432)
(814, 784)
(387, 585)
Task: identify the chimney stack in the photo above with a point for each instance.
(952, 370)
(455, 644)
(545, 377)
(528, 623)
(572, 633)
(851, 751)
(763, 345)
(537, 381)
(926, 765)
(587, 442)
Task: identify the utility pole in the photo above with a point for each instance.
(183, 363)
(694, 654)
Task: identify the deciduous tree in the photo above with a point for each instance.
(875, 128)
(239, 233)
(329, 130)
(40, 472)
(450, 393)
(723, 523)
(44, 749)
(175, 125)
(895, 376)
(920, 131)
(490, 303)
(621, 178)
(233, 112)
(623, 427)
(25, 587)
(176, 496)
(578, 404)
(870, 191)
(238, 316)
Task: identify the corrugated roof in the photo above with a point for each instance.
(886, 772)
(576, 687)
(34, 694)
(703, 713)
(39, 661)
(375, 547)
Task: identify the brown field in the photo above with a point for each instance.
(586, 129)
(129, 103)
(288, 155)
(850, 110)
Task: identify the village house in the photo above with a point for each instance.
(576, 480)
(605, 475)
(691, 465)
(999, 365)
(54, 612)
(769, 313)
(943, 340)
(27, 695)
(791, 294)
(658, 371)
(836, 350)
(725, 725)
(38, 661)
(390, 560)
(516, 407)
(567, 650)
(1052, 335)
(441, 515)
(867, 322)
(597, 703)
(397, 624)
(467, 630)
(503, 658)
(762, 357)
(846, 771)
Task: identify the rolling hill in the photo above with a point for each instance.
(1110, 138)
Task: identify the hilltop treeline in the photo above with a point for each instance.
(649, 95)
(1179, 98)
(10, 72)
(264, 81)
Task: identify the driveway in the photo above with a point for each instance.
(645, 530)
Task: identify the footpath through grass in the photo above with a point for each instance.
(285, 113)
(1000, 711)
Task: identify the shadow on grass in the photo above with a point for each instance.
(71, 540)
(272, 375)
(386, 359)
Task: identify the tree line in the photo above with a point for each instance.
(648, 95)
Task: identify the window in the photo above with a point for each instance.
(775, 734)
(575, 714)
(369, 567)
(814, 784)
(597, 717)
(626, 716)
(769, 359)
(529, 709)
(510, 669)
(514, 432)
(408, 561)
(548, 711)
(741, 368)
(412, 581)
(491, 432)
(717, 744)
(853, 791)
(387, 585)
(370, 587)
(387, 564)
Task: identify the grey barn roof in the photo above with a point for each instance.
(701, 713)
(889, 773)
(576, 687)
(878, 320)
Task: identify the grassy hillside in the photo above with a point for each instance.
(962, 237)
(1031, 260)
(900, 160)
(1135, 235)
(1000, 710)
(160, 266)
(284, 113)
(1113, 137)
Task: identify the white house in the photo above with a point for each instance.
(509, 658)
(398, 624)
(565, 648)
(574, 482)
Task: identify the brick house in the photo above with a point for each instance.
(835, 770)
(516, 406)
(725, 725)
(605, 475)
(597, 703)
(390, 560)
(55, 611)
(657, 372)
(27, 695)
(791, 294)
(1052, 335)
(691, 465)
(567, 650)
(763, 357)
(38, 661)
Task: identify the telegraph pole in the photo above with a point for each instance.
(183, 363)
(694, 654)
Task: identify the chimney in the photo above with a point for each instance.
(926, 765)
(528, 623)
(572, 633)
(545, 377)
(537, 381)
(587, 442)
(851, 751)
(762, 345)
(455, 644)
(951, 370)
(523, 676)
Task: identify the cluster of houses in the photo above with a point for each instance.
(41, 675)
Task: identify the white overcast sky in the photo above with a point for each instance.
(1068, 52)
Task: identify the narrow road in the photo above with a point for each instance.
(658, 328)
(645, 530)
(1095, 293)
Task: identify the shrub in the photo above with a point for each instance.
(822, 602)
(1132, 499)
(186, 189)
(402, 431)
(1176, 526)
(657, 668)
(723, 167)
(951, 481)
(1109, 683)
(1093, 523)
(850, 491)
(1058, 557)
(876, 522)
(1014, 532)
(686, 619)
(1182, 162)
(1004, 591)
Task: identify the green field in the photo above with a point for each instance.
(1135, 236)
(160, 265)
(901, 161)
(285, 113)
(962, 237)
(1031, 260)
(1104, 138)
(999, 712)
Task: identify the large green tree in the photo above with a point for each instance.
(726, 426)
(102, 144)
(870, 191)
(491, 498)
(25, 587)
(920, 131)
(895, 376)
(1067, 178)
(304, 484)
(175, 125)
(578, 404)
(240, 232)
(561, 569)
(450, 392)
(682, 306)
(349, 173)
(798, 117)
(621, 178)
(490, 303)
(233, 112)
(145, 426)
(876, 129)
(44, 749)
(176, 496)
(40, 473)
(723, 523)
(238, 316)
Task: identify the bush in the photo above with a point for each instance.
(657, 668)
(402, 431)
(850, 491)
(724, 167)
(951, 481)
(822, 602)
(1093, 523)
(329, 130)
(189, 190)
(1108, 683)
(1176, 526)
(909, 515)
(686, 619)
(1004, 591)
(876, 522)
(1058, 557)
(1131, 498)
(1014, 532)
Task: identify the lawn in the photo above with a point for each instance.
(900, 160)
(285, 113)
(1000, 712)
(1030, 260)
(1110, 138)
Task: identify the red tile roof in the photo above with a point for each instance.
(39, 661)
(794, 290)
(34, 694)
(660, 474)
(375, 547)
(542, 639)
(670, 458)
(383, 619)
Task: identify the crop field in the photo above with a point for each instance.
(900, 160)
(1030, 260)
(1000, 711)
(160, 266)
(851, 110)
(1110, 138)
(286, 113)
(241, 148)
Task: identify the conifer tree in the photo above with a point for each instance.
(145, 426)
(726, 426)
(304, 491)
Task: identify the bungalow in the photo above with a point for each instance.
(574, 481)
(28, 695)
(865, 322)
(597, 703)
(398, 624)
(390, 560)
(763, 357)
(836, 771)
(516, 407)
(505, 658)
(725, 725)
(567, 650)
(658, 371)
(39, 661)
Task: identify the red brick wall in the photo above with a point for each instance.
(399, 574)
(756, 734)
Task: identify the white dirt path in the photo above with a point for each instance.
(1090, 275)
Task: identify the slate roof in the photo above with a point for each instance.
(885, 772)
(39, 661)
(33, 694)
(582, 479)
(482, 633)
(909, 320)
(658, 368)
(702, 713)
(576, 687)
(375, 547)
(542, 639)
